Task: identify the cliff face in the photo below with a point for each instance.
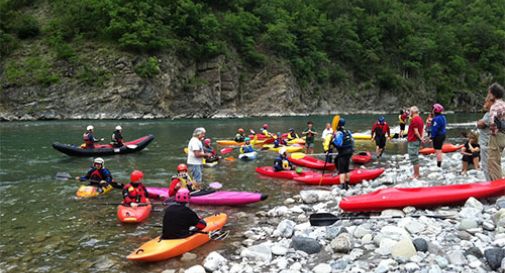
(221, 87)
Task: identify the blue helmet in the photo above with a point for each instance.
(381, 119)
(341, 122)
(247, 139)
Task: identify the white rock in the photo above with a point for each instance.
(282, 263)
(367, 239)
(168, 271)
(296, 266)
(456, 257)
(385, 246)
(441, 261)
(413, 226)
(261, 252)
(314, 196)
(342, 243)
(411, 267)
(474, 203)
(289, 201)
(385, 266)
(404, 249)
(394, 233)
(286, 228)
(471, 213)
(214, 261)
(195, 269)
(466, 224)
(322, 268)
(392, 212)
(361, 231)
(278, 211)
(279, 250)
(435, 269)
(188, 256)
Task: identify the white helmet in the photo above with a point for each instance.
(282, 150)
(90, 127)
(99, 160)
(119, 127)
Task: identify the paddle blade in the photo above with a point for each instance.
(298, 155)
(322, 219)
(215, 185)
(230, 158)
(186, 150)
(226, 150)
(131, 146)
(334, 122)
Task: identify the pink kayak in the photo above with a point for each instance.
(356, 176)
(269, 171)
(216, 198)
(312, 162)
(422, 196)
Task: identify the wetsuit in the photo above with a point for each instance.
(136, 193)
(379, 130)
(117, 139)
(282, 163)
(95, 175)
(178, 219)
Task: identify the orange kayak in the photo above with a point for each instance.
(158, 250)
(446, 148)
(127, 214)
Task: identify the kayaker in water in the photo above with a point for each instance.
(264, 130)
(98, 175)
(278, 141)
(438, 131)
(240, 136)
(135, 192)
(179, 219)
(379, 131)
(117, 138)
(207, 148)
(470, 152)
(292, 134)
(344, 143)
(402, 119)
(247, 147)
(89, 139)
(309, 134)
(182, 180)
(282, 163)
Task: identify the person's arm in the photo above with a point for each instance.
(373, 130)
(435, 125)
(196, 221)
(108, 177)
(86, 176)
(388, 130)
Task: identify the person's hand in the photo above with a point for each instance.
(196, 186)
(103, 182)
(77, 178)
(134, 205)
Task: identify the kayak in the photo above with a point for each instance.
(105, 149)
(312, 162)
(360, 136)
(237, 144)
(300, 141)
(362, 157)
(356, 176)
(289, 149)
(446, 148)
(248, 156)
(91, 191)
(216, 198)
(127, 214)
(422, 197)
(287, 174)
(158, 250)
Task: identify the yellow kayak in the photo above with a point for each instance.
(297, 141)
(289, 149)
(91, 191)
(359, 136)
(229, 142)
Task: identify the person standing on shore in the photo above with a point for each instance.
(484, 133)
(379, 131)
(414, 139)
(497, 129)
(196, 155)
(438, 131)
(344, 143)
(309, 134)
(402, 119)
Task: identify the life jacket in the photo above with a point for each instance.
(326, 142)
(286, 165)
(117, 139)
(292, 136)
(246, 149)
(347, 142)
(379, 129)
(185, 183)
(87, 139)
(97, 175)
(136, 194)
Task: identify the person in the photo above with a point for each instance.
(98, 175)
(309, 134)
(438, 131)
(292, 135)
(207, 148)
(181, 180)
(414, 139)
(483, 127)
(402, 118)
(178, 218)
(89, 139)
(282, 163)
(135, 192)
(344, 143)
(239, 137)
(247, 147)
(117, 138)
(196, 154)
(470, 152)
(379, 131)
(278, 141)
(497, 130)
(327, 131)
(264, 130)
(429, 120)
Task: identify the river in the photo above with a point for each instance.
(44, 228)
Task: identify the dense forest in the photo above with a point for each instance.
(447, 46)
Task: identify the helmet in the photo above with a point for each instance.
(240, 130)
(90, 127)
(182, 167)
(282, 150)
(278, 134)
(119, 127)
(381, 119)
(341, 122)
(291, 129)
(136, 176)
(182, 195)
(207, 141)
(98, 160)
(265, 126)
(247, 139)
(438, 108)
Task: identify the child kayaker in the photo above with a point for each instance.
(247, 147)
(292, 134)
(182, 180)
(135, 192)
(98, 175)
(278, 141)
(282, 163)
(207, 148)
(438, 131)
(240, 136)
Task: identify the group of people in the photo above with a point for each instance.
(89, 138)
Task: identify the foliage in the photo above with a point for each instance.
(148, 68)
(32, 70)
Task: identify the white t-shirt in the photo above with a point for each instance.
(194, 145)
(326, 132)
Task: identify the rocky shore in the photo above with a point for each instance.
(470, 239)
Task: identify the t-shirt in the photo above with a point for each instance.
(309, 136)
(417, 122)
(326, 132)
(194, 145)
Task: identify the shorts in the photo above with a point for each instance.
(413, 151)
(343, 162)
(309, 145)
(469, 158)
(380, 141)
(195, 172)
(402, 127)
(438, 141)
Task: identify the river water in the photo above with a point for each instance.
(44, 228)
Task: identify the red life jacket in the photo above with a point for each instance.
(96, 175)
(87, 140)
(134, 194)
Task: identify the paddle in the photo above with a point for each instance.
(217, 235)
(131, 146)
(327, 219)
(114, 184)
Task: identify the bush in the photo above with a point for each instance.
(25, 26)
(62, 49)
(91, 76)
(148, 68)
(8, 43)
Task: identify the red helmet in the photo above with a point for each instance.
(182, 167)
(265, 126)
(182, 195)
(240, 130)
(136, 176)
(207, 141)
(438, 108)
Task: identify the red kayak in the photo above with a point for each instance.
(362, 157)
(127, 214)
(269, 171)
(312, 162)
(446, 148)
(356, 176)
(422, 197)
